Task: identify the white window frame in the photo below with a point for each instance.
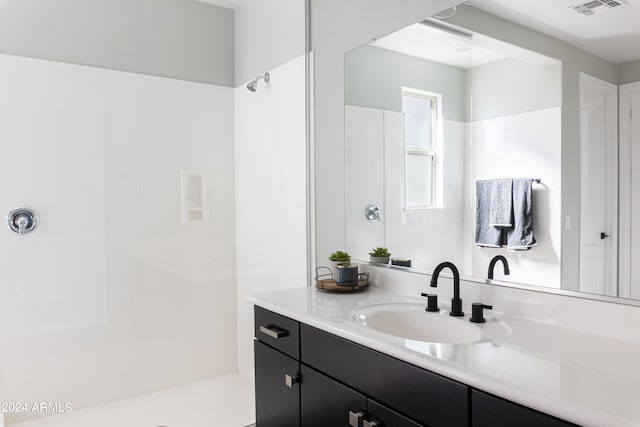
(435, 151)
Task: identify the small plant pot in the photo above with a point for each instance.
(379, 259)
(347, 275)
(334, 266)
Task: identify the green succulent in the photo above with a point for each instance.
(380, 252)
(340, 256)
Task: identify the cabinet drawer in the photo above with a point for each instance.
(277, 331)
(492, 411)
(388, 418)
(422, 395)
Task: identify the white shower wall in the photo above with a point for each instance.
(112, 295)
(270, 176)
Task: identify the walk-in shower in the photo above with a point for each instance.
(131, 170)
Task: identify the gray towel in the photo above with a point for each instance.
(486, 235)
(520, 236)
(500, 213)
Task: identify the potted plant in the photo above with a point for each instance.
(339, 258)
(380, 255)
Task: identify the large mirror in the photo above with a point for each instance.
(436, 110)
(430, 111)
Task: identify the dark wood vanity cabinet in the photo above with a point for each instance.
(306, 377)
(426, 397)
(492, 411)
(326, 402)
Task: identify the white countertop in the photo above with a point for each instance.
(586, 379)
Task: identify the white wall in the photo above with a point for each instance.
(525, 145)
(375, 153)
(516, 132)
(112, 296)
(429, 236)
(270, 179)
(337, 27)
(574, 61)
(365, 179)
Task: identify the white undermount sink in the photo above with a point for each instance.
(412, 322)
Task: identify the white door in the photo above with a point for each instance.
(598, 186)
(629, 191)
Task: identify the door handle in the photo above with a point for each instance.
(603, 236)
(274, 331)
(374, 423)
(355, 418)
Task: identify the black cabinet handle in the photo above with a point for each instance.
(274, 331)
(355, 418)
(290, 380)
(603, 236)
(373, 423)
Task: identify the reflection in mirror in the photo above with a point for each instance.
(435, 108)
(431, 110)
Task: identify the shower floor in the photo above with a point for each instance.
(225, 401)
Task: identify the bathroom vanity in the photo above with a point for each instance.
(316, 364)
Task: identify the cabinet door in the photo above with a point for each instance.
(327, 403)
(491, 411)
(381, 416)
(277, 403)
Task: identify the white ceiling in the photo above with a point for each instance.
(435, 45)
(612, 33)
(438, 44)
(231, 4)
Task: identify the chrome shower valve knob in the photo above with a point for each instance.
(22, 220)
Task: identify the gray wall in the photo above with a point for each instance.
(374, 78)
(268, 34)
(630, 72)
(509, 86)
(338, 26)
(182, 39)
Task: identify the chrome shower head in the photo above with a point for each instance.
(253, 84)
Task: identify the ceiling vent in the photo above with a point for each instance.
(587, 8)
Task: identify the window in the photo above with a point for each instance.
(422, 145)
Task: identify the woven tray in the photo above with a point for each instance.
(328, 283)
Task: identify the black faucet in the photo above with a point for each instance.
(493, 263)
(456, 302)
